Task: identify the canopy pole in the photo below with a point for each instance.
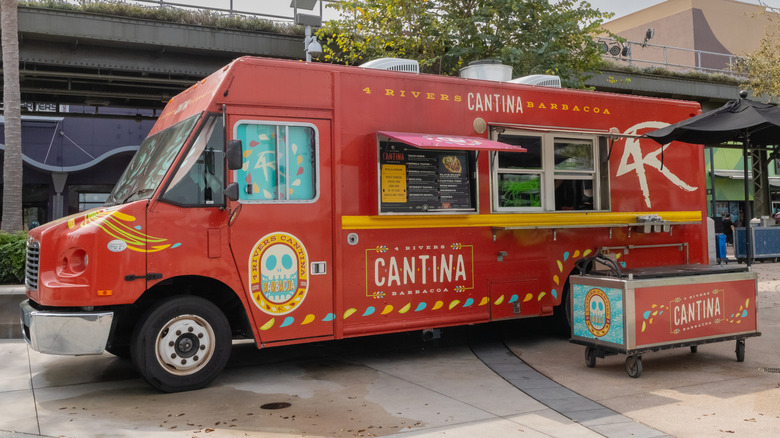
(748, 210)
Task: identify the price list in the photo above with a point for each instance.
(435, 180)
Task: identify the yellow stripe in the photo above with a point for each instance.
(519, 220)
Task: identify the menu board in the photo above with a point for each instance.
(421, 180)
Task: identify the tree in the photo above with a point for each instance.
(762, 67)
(12, 219)
(532, 36)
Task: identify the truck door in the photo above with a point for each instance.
(281, 230)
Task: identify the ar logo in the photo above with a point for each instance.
(633, 161)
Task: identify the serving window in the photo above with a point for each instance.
(418, 180)
(556, 173)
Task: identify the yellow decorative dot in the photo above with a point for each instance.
(438, 305)
(349, 312)
(454, 303)
(388, 309)
(405, 308)
(309, 318)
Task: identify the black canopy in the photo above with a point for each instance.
(742, 120)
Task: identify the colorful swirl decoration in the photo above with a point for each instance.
(118, 225)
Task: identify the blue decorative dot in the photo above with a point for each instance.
(176, 245)
(369, 311)
(469, 302)
(420, 306)
(554, 293)
(565, 256)
(513, 299)
(287, 321)
(137, 227)
(646, 314)
(329, 317)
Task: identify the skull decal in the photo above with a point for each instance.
(278, 273)
(597, 312)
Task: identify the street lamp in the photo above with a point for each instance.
(311, 46)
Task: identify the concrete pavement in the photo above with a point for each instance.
(507, 379)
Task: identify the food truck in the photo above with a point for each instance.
(290, 202)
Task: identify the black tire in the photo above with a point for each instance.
(634, 366)
(740, 350)
(181, 344)
(590, 357)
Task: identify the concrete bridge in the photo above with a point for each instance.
(79, 58)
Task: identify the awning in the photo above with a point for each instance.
(434, 141)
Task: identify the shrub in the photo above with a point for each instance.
(12, 255)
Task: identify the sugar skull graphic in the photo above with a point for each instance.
(597, 312)
(278, 273)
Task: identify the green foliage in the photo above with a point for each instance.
(533, 36)
(762, 67)
(12, 255)
(170, 14)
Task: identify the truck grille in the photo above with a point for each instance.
(31, 264)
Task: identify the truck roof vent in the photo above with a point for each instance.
(541, 80)
(394, 64)
(488, 70)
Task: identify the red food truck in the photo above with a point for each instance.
(290, 202)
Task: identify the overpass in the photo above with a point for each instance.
(79, 58)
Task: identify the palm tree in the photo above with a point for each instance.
(12, 219)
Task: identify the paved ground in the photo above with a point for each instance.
(470, 383)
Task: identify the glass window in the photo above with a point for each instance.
(88, 201)
(150, 164)
(573, 155)
(555, 174)
(279, 162)
(200, 177)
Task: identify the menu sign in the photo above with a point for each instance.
(419, 180)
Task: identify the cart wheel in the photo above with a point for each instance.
(694, 348)
(740, 350)
(634, 366)
(590, 357)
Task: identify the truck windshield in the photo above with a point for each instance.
(151, 163)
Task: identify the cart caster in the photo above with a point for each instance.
(634, 366)
(740, 350)
(694, 348)
(590, 357)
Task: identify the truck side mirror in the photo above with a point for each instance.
(231, 191)
(235, 159)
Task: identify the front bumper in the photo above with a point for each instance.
(66, 333)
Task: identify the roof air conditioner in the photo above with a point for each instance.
(394, 64)
(541, 80)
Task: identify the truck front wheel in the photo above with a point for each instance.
(181, 344)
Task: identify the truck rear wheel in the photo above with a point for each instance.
(181, 344)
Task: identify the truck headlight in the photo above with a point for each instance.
(72, 261)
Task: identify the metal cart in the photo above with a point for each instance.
(637, 311)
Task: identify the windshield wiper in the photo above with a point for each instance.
(138, 193)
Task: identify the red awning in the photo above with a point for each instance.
(434, 141)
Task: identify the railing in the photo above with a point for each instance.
(673, 58)
(230, 10)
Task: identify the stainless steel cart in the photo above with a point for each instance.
(642, 310)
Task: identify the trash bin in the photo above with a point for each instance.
(720, 248)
